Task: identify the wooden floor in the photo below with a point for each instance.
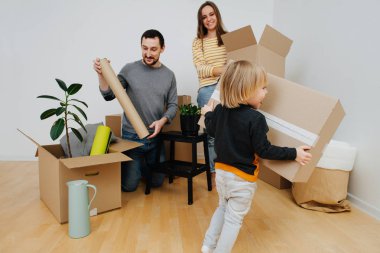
(163, 222)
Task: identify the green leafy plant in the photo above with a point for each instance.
(64, 112)
(189, 109)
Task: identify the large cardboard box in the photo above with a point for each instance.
(270, 52)
(298, 115)
(182, 150)
(103, 171)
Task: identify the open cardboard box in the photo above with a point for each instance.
(270, 52)
(296, 115)
(103, 171)
(182, 150)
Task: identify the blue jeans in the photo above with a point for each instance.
(144, 157)
(235, 198)
(204, 95)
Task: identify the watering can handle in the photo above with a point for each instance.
(93, 197)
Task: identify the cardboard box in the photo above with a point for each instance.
(270, 53)
(298, 115)
(182, 150)
(272, 178)
(103, 171)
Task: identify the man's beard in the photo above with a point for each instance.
(151, 64)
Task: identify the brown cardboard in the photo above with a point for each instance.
(311, 112)
(270, 52)
(291, 103)
(182, 150)
(269, 176)
(123, 98)
(103, 171)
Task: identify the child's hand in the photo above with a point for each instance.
(206, 109)
(303, 157)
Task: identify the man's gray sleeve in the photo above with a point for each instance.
(108, 95)
(172, 101)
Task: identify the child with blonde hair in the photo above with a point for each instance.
(240, 133)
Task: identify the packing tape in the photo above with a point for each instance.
(290, 129)
(101, 141)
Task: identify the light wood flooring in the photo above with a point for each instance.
(163, 222)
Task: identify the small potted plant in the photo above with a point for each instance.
(64, 113)
(189, 117)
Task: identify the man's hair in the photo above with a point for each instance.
(239, 82)
(151, 34)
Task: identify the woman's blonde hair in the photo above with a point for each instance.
(239, 82)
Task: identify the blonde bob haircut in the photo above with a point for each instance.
(239, 82)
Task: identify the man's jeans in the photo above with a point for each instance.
(204, 95)
(144, 157)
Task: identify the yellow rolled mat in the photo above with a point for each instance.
(101, 140)
(125, 102)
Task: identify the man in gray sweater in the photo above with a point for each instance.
(151, 86)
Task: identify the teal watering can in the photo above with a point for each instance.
(79, 208)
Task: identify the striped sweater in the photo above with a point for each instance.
(205, 60)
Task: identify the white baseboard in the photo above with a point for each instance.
(364, 206)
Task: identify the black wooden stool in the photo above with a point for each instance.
(174, 167)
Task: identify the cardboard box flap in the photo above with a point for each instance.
(30, 138)
(238, 39)
(123, 145)
(275, 41)
(84, 161)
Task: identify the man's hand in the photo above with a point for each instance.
(98, 69)
(157, 125)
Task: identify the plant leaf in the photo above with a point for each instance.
(48, 96)
(74, 88)
(48, 113)
(77, 120)
(81, 111)
(77, 134)
(61, 84)
(57, 129)
(59, 110)
(79, 102)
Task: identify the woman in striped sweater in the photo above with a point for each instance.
(209, 57)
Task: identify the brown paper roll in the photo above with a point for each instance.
(125, 102)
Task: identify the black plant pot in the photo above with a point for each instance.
(189, 124)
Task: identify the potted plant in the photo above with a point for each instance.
(64, 113)
(189, 117)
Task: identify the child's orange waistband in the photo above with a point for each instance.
(237, 172)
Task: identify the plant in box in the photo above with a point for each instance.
(65, 106)
(189, 116)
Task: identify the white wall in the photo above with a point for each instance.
(42, 40)
(336, 51)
